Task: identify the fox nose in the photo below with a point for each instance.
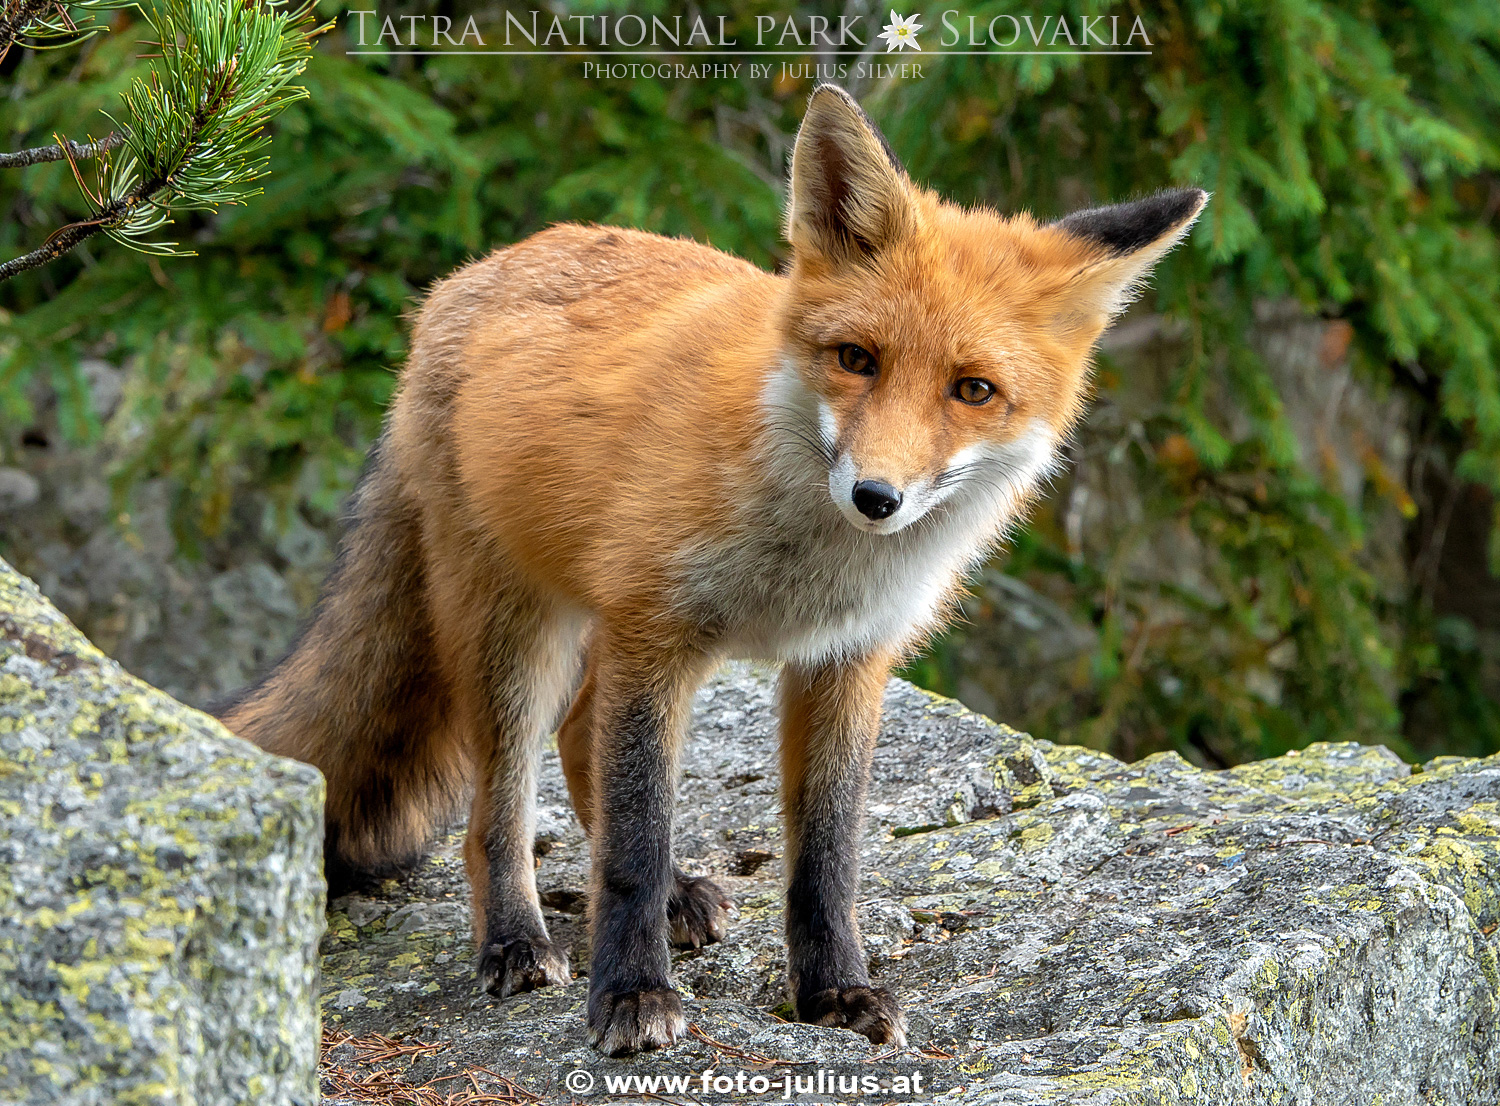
(875, 500)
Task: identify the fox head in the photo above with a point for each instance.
(936, 352)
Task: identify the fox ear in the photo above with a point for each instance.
(1121, 243)
(849, 196)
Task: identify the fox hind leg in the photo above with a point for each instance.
(511, 668)
(697, 909)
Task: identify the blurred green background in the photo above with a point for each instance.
(1279, 527)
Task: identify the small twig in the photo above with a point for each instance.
(58, 243)
(1317, 841)
(511, 1085)
(65, 150)
(15, 22)
(377, 1048)
(756, 1058)
(66, 238)
(1175, 830)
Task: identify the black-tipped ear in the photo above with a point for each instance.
(849, 196)
(1123, 241)
(1125, 228)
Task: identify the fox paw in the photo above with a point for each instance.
(872, 1011)
(523, 964)
(630, 1021)
(697, 912)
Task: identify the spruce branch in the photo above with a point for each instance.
(192, 134)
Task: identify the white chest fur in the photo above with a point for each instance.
(805, 585)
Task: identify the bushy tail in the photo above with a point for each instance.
(360, 695)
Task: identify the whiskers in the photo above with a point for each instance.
(999, 473)
(997, 486)
(796, 425)
(956, 475)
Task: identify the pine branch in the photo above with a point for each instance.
(66, 238)
(193, 136)
(17, 19)
(75, 151)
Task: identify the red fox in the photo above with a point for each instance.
(623, 457)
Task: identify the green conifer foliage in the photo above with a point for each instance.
(190, 133)
(1353, 153)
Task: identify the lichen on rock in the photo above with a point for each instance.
(1064, 928)
(161, 892)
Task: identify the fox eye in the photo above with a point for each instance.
(974, 391)
(857, 359)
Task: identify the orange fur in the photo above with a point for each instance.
(641, 442)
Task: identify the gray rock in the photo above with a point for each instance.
(161, 893)
(198, 621)
(106, 385)
(1314, 929)
(18, 488)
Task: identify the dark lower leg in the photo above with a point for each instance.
(830, 716)
(631, 1001)
(641, 710)
(697, 909)
(515, 952)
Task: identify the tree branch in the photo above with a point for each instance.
(196, 134)
(80, 152)
(16, 18)
(64, 239)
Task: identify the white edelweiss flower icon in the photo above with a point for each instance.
(901, 34)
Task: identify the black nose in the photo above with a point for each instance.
(876, 500)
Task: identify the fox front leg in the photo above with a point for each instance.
(697, 909)
(830, 715)
(643, 696)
